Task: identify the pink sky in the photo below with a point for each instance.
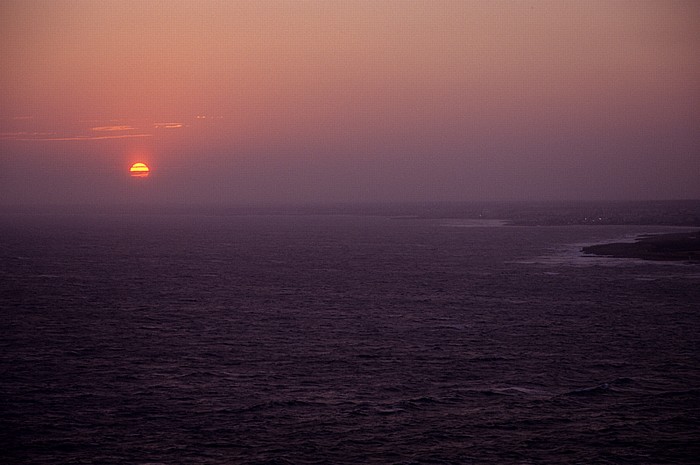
(292, 101)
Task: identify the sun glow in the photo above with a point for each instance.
(139, 170)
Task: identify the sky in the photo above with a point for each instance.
(240, 102)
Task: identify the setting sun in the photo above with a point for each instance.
(139, 170)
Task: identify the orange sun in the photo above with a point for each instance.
(139, 170)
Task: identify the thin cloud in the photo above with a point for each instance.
(113, 128)
(167, 125)
(76, 138)
(7, 135)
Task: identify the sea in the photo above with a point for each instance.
(201, 338)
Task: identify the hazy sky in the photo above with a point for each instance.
(321, 101)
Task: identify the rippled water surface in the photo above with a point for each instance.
(331, 339)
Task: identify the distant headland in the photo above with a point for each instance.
(512, 213)
(664, 247)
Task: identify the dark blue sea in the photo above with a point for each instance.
(293, 339)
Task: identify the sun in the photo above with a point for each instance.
(139, 170)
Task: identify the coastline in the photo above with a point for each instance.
(663, 247)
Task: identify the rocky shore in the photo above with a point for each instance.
(667, 247)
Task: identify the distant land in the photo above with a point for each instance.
(663, 212)
(665, 247)
(544, 213)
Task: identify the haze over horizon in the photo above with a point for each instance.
(348, 101)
